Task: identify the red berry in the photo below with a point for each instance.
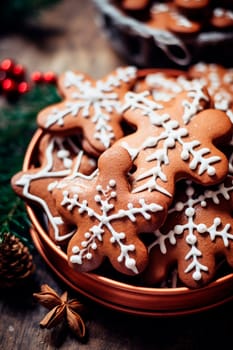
(8, 85)
(49, 77)
(18, 71)
(37, 77)
(23, 87)
(7, 65)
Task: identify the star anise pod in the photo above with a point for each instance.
(61, 309)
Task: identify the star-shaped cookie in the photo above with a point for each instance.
(90, 107)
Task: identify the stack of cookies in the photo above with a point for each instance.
(135, 171)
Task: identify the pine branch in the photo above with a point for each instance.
(17, 125)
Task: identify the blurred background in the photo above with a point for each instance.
(55, 35)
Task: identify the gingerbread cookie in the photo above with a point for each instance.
(58, 156)
(91, 107)
(222, 18)
(190, 4)
(166, 17)
(165, 84)
(197, 233)
(108, 216)
(175, 140)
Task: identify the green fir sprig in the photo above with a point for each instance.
(17, 125)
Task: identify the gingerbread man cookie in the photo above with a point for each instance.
(58, 155)
(91, 107)
(175, 140)
(197, 233)
(109, 218)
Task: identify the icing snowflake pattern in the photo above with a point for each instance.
(108, 216)
(218, 229)
(96, 101)
(169, 131)
(104, 198)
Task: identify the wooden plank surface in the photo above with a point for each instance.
(72, 39)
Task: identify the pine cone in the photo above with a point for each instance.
(15, 261)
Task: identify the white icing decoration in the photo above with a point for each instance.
(46, 172)
(193, 229)
(221, 12)
(171, 133)
(219, 87)
(105, 219)
(101, 98)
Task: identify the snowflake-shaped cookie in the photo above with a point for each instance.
(197, 233)
(108, 216)
(92, 107)
(175, 140)
(58, 156)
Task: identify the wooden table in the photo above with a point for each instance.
(74, 40)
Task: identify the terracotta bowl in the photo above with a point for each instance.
(115, 294)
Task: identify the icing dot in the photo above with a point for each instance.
(197, 275)
(178, 229)
(203, 203)
(191, 239)
(76, 259)
(97, 198)
(87, 235)
(112, 183)
(75, 249)
(113, 194)
(184, 155)
(211, 171)
(120, 258)
(99, 188)
(89, 256)
(131, 247)
(190, 191)
(217, 221)
(179, 206)
(94, 246)
(189, 212)
(130, 263)
(122, 235)
(201, 228)
(84, 244)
